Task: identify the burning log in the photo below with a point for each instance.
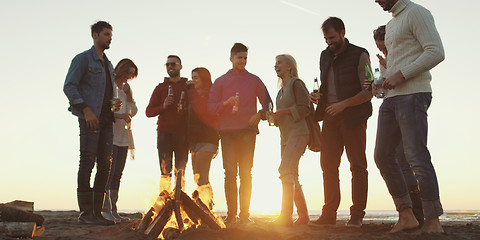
(153, 212)
(199, 202)
(178, 190)
(171, 233)
(208, 218)
(155, 220)
(193, 217)
(163, 216)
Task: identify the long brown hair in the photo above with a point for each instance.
(124, 66)
(205, 77)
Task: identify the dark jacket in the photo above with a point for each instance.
(202, 126)
(347, 84)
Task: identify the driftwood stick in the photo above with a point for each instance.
(10, 214)
(21, 205)
(18, 229)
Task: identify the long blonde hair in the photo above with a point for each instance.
(293, 67)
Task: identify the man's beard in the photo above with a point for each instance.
(106, 46)
(174, 74)
(337, 46)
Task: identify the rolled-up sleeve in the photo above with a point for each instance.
(364, 59)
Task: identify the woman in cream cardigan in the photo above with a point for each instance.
(293, 106)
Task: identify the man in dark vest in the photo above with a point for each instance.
(344, 107)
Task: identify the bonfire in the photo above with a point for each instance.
(174, 211)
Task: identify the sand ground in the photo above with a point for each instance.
(63, 225)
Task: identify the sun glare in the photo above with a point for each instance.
(266, 199)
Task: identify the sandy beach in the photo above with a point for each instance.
(63, 225)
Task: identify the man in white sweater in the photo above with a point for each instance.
(414, 47)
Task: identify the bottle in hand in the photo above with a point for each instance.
(270, 118)
(116, 102)
(316, 90)
(378, 81)
(235, 107)
(181, 102)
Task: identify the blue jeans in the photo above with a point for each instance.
(169, 144)
(95, 146)
(237, 152)
(407, 171)
(403, 120)
(118, 164)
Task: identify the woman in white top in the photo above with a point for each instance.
(125, 71)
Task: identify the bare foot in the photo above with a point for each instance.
(432, 226)
(406, 221)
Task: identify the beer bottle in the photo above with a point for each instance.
(180, 103)
(235, 107)
(115, 100)
(316, 90)
(271, 119)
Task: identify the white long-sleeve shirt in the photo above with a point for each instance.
(120, 134)
(414, 47)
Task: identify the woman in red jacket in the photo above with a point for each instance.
(202, 132)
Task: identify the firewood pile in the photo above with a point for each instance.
(18, 220)
(172, 205)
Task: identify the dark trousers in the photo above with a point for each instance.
(169, 144)
(95, 147)
(335, 137)
(237, 152)
(201, 166)
(118, 164)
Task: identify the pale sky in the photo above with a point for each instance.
(39, 142)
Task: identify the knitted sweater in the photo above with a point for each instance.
(294, 96)
(414, 47)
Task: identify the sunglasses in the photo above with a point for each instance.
(173, 64)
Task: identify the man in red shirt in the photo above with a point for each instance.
(172, 120)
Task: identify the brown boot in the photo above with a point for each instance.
(301, 205)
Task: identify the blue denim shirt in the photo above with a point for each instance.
(86, 80)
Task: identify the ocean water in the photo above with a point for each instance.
(374, 215)
(381, 215)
